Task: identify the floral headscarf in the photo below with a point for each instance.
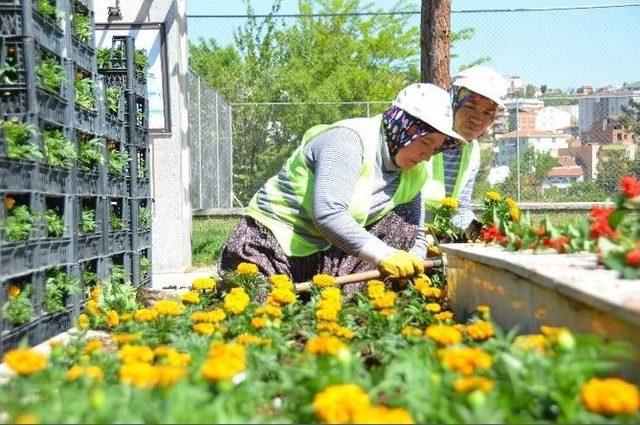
(462, 95)
(401, 128)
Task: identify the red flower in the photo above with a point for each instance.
(600, 225)
(559, 244)
(633, 257)
(630, 186)
(492, 234)
(541, 231)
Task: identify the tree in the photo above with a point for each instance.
(534, 167)
(610, 169)
(630, 117)
(530, 91)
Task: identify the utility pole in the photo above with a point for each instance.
(435, 32)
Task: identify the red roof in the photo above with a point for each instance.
(573, 171)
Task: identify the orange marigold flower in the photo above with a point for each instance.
(323, 280)
(259, 322)
(536, 342)
(168, 308)
(204, 328)
(325, 345)
(466, 384)
(136, 354)
(444, 315)
(25, 361)
(480, 330)
(113, 319)
(247, 269)
(82, 321)
(610, 396)
(327, 314)
(145, 315)
(92, 345)
(190, 297)
(14, 291)
(387, 312)
(411, 332)
(385, 301)
(91, 372)
(382, 415)
(464, 359)
(432, 307)
(9, 203)
(443, 334)
(339, 404)
(139, 374)
(375, 289)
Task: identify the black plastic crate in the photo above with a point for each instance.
(89, 183)
(18, 258)
(119, 242)
(89, 246)
(141, 189)
(85, 119)
(18, 175)
(19, 17)
(83, 52)
(34, 202)
(50, 107)
(143, 239)
(140, 136)
(117, 185)
(55, 251)
(55, 179)
(118, 78)
(52, 324)
(12, 336)
(113, 128)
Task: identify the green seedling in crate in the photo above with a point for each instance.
(90, 154)
(88, 223)
(144, 218)
(58, 287)
(113, 100)
(140, 62)
(18, 140)
(18, 309)
(85, 96)
(59, 150)
(48, 9)
(54, 223)
(81, 24)
(19, 222)
(116, 222)
(145, 267)
(89, 279)
(9, 69)
(50, 74)
(106, 57)
(117, 161)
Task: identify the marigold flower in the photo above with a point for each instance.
(136, 354)
(14, 291)
(281, 281)
(95, 293)
(331, 294)
(514, 211)
(125, 317)
(328, 304)
(190, 297)
(411, 332)
(146, 315)
(327, 314)
(387, 312)
(464, 359)
(236, 301)
(382, 415)
(343, 332)
(9, 203)
(82, 321)
(421, 284)
(535, 342)
(168, 308)
(610, 396)
(560, 336)
(629, 186)
(444, 315)
(282, 296)
(113, 319)
(269, 310)
(449, 202)
(493, 195)
(125, 338)
(340, 403)
(480, 330)
(93, 308)
(92, 372)
(213, 316)
(247, 269)
(204, 328)
(323, 280)
(225, 361)
(25, 361)
(259, 322)
(375, 289)
(466, 384)
(139, 374)
(92, 345)
(203, 284)
(483, 309)
(169, 375)
(248, 339)
(325, 345)
(387, 300)
(432, 307)
(443, 334)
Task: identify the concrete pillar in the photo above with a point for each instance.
(169, 152)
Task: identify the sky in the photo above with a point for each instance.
(562, 49)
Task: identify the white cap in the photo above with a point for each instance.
(484, 81)
(431, 104)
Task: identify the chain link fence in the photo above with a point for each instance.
(559, 139)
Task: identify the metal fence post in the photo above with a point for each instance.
(199, 143)
(518, 145)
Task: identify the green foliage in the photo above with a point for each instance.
(112, 100)
(145, 267)
(140, 62)
(58, 287)
(117, 292)
(85, 95)
(630, 117)
(81, 24)
(104, 55)
(117, 161)
(54, 224)
(90, 154)
(89, 278)
(9, 69)
(19, 309)
(144, 218)
(18, 224)
(608, 175)
(48, 9)
(59, 150)
(50, 74)
(19, 139)
(116, 222)
(88, 223)
(534, 167)
(208, 237)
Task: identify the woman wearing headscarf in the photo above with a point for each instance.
(349, 198)
(476, 100)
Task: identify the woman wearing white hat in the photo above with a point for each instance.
(476, 93)
(349, 198)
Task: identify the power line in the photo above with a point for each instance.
(408, 12)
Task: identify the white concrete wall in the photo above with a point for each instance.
(170, 154)
(551, 118)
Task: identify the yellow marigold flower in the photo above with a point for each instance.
(483, 309)
(146, 315)
(248, 339)
(247, 269)
(190, 297)
(535, 342)
(610, 396)
(138, 374)
(171, 357)
(169, 375)
(560, 336)
(331, 293)
(387, 312)
(95, 293)
(480, 330)
(382, 415)
(125, 338)
(82, 321)
(125, 317)
(282, 296)
(327, 326)
(203, 284)
(328, 304)
(493, 195)
(433, 293)
(92, 307)
(25, 361)
(225, 361)
(432, 307)
(136, 354)
(92, 372)
(204, 328)
(443, 334)
(212, 316)
(281, 281)
(449, 202)
(325, 345)
(269, 310)
(113, 319)
(220, 349)
(464, 359)
(466, 384)
(92, 345)
(411, 332)
(339, 404)
(9, 203)
(444, 315)
(514, 211)
(236, 301)
(343, 332)
(168, 308)
(26, 418)
(14, 291)
(327, 314)
(259, 322)
(375, 289)
(386, 301)
(323, 280)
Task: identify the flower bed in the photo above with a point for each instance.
(384, 356)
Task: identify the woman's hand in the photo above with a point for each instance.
(401, 264)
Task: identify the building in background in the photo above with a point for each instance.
(541, 141)
(585, 156)
(565, 174)
(606, 102)
(608, 131)
(551, 118)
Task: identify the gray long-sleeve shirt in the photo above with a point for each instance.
(335, 157)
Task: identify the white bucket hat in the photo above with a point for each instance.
(430, 104)
(484, 81)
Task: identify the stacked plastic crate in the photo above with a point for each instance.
(123, 69)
